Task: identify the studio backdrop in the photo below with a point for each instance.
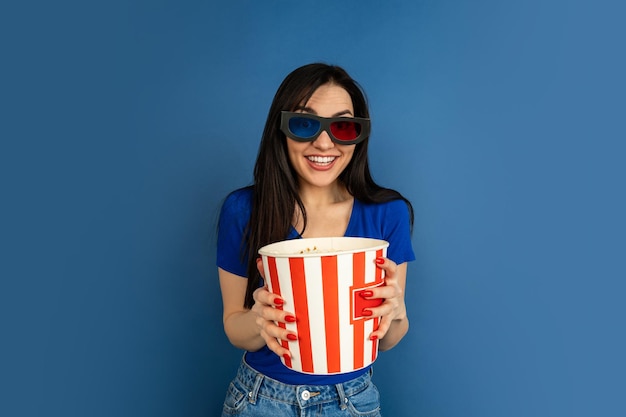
(125, 124)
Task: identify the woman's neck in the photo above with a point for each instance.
(328, 211)
(324, 196)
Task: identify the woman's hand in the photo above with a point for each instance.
(268, 309)
(394, 322)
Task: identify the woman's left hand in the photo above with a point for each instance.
(393, 308)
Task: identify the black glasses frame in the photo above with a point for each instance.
(325, 123)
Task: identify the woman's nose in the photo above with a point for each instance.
(323, 141)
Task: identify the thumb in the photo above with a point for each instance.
(259, 266)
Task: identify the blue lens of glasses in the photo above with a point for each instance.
(304, 127)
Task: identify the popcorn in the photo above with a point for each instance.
(308, 250)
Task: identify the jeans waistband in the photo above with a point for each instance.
(258, 384)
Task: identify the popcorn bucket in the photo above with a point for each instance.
(321, 280)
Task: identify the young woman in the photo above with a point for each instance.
(311, 179)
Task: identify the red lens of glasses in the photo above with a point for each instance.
(345, 130)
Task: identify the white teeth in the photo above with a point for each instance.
(321, 159)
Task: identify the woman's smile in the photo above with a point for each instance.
(321, 162)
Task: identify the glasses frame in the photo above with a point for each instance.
(325, 123)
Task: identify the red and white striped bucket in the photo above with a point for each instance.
(320, 280)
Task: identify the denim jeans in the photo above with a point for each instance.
(253, 394)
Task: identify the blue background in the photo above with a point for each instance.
(124, 124)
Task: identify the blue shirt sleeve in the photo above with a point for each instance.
(397, 231)
(234, 217)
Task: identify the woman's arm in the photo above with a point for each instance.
(251, 329)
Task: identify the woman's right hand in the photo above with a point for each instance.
(268, 309)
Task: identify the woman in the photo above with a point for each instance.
(311, 179)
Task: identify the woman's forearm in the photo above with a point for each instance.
(396, 332)
(242, 331)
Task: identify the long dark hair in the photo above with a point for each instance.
(275, 189)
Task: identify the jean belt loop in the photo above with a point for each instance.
(255, 388)
(343, 400)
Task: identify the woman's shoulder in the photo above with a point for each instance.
(388, 214)
(240, 199)
(391, 206)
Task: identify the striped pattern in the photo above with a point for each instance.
(323, 293)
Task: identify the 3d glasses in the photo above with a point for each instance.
(305, 127)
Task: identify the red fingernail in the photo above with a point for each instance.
(290, 319)
(287, 357)
(366, 293)
(373, 337)
(380, 261)
(291, 336)
(278, 301)
(366, 312)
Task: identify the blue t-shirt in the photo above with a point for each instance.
(388, 221)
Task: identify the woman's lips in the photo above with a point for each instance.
(321, 162)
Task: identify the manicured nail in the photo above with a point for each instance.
(278, 301)
(290, 319)
(366, 293)
(373, 337)
(380, 261)
(366, 312)
(292, 337)
(287, 357)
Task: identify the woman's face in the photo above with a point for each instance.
(320, 162)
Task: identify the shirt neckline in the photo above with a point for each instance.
(293, 233)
